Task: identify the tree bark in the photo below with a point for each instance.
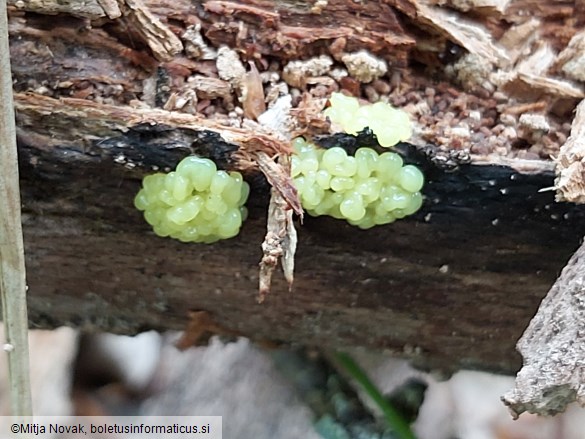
(454, 286)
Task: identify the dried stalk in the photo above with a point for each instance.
(280, 242)
(12, 270)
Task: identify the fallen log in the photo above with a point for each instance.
(105, 96)
(452, 287)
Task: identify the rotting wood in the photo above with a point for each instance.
(161, 40)
(475, 249)
(92, 68)
(466, 270)
(292, 32)
(488, 7)
(88, 9)
(472, 36)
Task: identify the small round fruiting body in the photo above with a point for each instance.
(194, 203)
(389, 124)
(367, 189)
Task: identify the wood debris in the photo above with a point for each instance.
(363, 66)
(91, 9)
(538, 62)
(302, 32)
(195, 45)
(253, 99)
(230, 67)
(517, 40)
(452, 37)
(536, 122)
(279, 178)
(572, 59)
(570, 169)
(474, 37)
(161, 40)
(156, 35)
(280, 242)
(111, 8)
(553, 348)
(278, 118)
(309, 116)
(295, 73)
(488, 7)
(211, 88)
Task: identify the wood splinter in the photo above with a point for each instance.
(281, 236)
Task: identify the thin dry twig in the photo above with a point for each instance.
(281, 236)
(280, 243)
(280, 179)
(12, 269)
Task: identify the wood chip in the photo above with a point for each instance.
(555, 87)
(295, 73)
(211, 88)
(473, 36)
(525, 108)
(572, 59)
(570, 168)
(195, 45)
(253, 94)
(538, 62)
(111, 8)
(488, 7)
(161, 40)
(518, 38)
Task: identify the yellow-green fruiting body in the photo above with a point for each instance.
(390, 125)
(367, 189)
(194, 203)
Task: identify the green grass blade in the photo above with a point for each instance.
(395, 421)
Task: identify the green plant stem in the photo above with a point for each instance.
(398, 424)
(12, 269)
